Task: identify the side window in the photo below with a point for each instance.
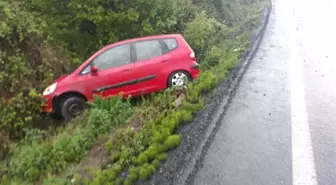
(86, 70)
(114, 57)
(170, 43)
(148, 49)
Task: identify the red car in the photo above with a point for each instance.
(134, 67)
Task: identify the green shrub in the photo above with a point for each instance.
(117, 167)
(119, 181)
(134, 160)
(144, 173)
(151, 169)
(4, 145)
(4, 180)
(99, 119)
(124, 155)
(162, 157)
(115, 156)
(152, 153)
(128, 182)
(190, 107)
(165, 133)
(213, 56)
(172, 141)
(112, 175)
(24, 59)
(187, 116)
(54, 155)
(156, 163)
(202, 32)
(133, 174)
(157, 137)
(108, 146)
(142, 158)
(18, 111)
(56, 181)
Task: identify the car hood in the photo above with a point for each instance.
(59, 79)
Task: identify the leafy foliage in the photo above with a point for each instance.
(32, 160)
(27, 65)
(202, 32)
(43, 39)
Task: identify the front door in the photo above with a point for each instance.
(115, 72)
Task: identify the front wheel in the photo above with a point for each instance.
(72, 107)
(179, 79)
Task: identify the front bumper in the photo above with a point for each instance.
(47, 105)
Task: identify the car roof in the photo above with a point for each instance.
(144, 38)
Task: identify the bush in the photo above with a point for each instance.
(133, 173)
(142, 158)
(4, 181)
(152, 152)
(172, 141)
(56, 181)
(4, 145)
(31, 160)
(144, 173)
(162, 157)
(128, 182)
(203, 32)
(17, 111)
(24, 59)
(213, 56)
(156, 163)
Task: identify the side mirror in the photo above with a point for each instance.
(93, 69)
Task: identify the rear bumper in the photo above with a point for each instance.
(195, 66)
(195, 76)
(195, 71)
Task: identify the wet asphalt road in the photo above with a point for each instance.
(281, 125)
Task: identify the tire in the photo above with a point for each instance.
(179, 79)
(72, 107)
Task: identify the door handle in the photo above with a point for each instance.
(164, 61)
(124, 70)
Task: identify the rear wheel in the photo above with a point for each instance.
(72, 107)
(179, 79)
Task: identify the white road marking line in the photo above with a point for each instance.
(303, 166)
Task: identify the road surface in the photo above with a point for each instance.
(281, 125)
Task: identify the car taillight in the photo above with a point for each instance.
(192, 55)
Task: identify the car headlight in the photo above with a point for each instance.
(50, 89)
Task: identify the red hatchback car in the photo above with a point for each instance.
(134, 67)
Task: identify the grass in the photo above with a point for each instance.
(33, 159)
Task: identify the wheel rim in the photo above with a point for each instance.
(179, 79)
(75, 109)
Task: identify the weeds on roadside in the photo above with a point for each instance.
(34, 159)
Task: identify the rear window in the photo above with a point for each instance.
(171, 43)
(148, 49)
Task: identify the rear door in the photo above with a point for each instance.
(150, 60)
(115, 72)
